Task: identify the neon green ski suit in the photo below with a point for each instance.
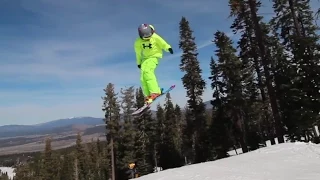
(148, 52)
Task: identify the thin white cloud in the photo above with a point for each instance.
(41, 71)
(203, 6)
(179, 53)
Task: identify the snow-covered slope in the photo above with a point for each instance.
(287, 161)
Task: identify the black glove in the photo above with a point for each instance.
(139, 66)
(170, 50)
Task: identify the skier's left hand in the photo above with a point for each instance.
(139, 66)
(170, 50)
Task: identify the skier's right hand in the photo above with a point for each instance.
(170, 50)
(139, 66)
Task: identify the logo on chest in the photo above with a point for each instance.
(149, 46)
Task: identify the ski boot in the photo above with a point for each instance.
(152, 97)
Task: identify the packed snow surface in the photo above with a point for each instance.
(286, 161)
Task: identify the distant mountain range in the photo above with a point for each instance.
(56, 126)
(59, 126)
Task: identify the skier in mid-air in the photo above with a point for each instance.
(148, 48)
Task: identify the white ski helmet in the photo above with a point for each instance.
(145, 31)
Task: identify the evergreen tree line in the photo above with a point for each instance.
(82, 162)
(146, 141)
(265, 86)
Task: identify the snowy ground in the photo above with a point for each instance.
(287, 161)
(9, 170)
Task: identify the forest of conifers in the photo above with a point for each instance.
(266, 87)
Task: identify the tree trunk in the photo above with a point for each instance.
(316, 131)
(265, 61)
(76, 170)
(264, 98)
(261, 88)
(241, 131)
(155, 157)
(295, 20)
(112, 160)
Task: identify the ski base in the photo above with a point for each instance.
(147, 106)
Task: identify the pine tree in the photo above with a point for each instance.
(81, 156)
(36, 167)
(220, 127)
(317, 14)
(169, 156)
(93, 160)
(160, 116)
(111, 108)
(299, 36)
(128, 134)
(188, 137)
(250, 57)
(179, 124)
(99, 146)
(282, 78)
(67, 167)
(229, 68)
(104, 163)
(248, 9)
(24, 172)
(144, 143)
(83, 161)
(50, 169)
(195, 85)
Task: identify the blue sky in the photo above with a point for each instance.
(57, 56)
